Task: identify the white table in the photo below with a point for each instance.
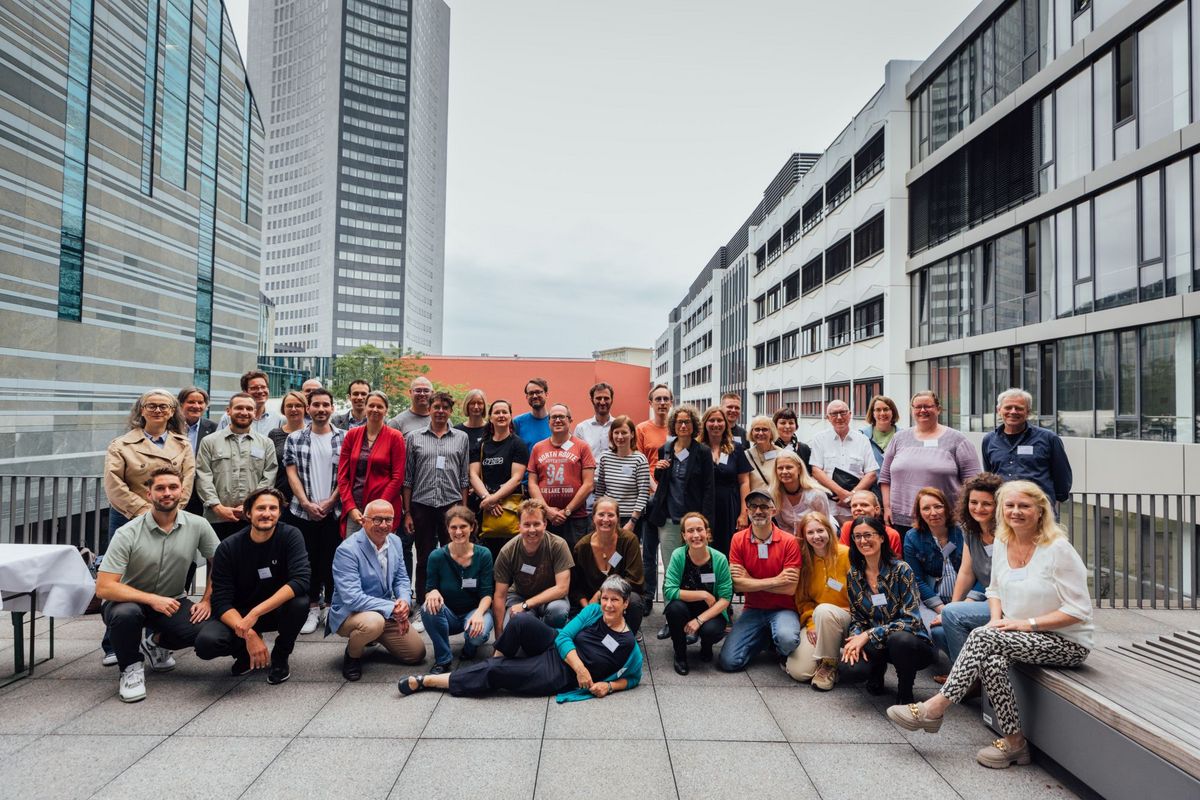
(48, 578)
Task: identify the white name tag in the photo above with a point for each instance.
(256, 452)
(724, 459)
(929, 443)
(987, 548)
(610, 643)
(626, 470)
(614, 559)
(948, 549)
(682, 455)
(832, 584)
(1017, 575)
(1024, 449)
(763, 552)
(770, 455)
(708, 577)
(264, 573)
(469, 583)
(528, 569)
(737, 439)
(789, 448)
(440, 463)
(879, 599)
(567, 445)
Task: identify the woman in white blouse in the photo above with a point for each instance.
(1040, 614)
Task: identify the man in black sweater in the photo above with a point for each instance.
(260, 582)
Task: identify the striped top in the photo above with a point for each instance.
(624, 479)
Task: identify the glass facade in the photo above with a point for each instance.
(75, 162)
(207, 218)
(247, 128)
(150, 96)
(176, 88)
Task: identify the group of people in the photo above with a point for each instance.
(855, 550)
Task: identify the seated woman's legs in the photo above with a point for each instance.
(870, 667)
(679, 614)
(829, 624)
(470, 643)
(711, 632)
(525, 635)
(440, 627)
(958, 620)
(634, 613)
(908, 653)
(802, 663)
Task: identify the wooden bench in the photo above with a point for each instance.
(1126, 722)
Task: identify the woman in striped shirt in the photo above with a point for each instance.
(623, 473)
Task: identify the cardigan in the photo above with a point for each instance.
(722, 583)
(818, 589)
(565, 642)
(385, 471)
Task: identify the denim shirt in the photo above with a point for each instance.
(922, 553)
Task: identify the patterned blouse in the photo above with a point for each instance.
(898, 609)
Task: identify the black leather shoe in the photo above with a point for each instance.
(279, 672)
(664, 632)
(681, 666)
(351, 667)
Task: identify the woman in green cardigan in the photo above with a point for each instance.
(698, 590)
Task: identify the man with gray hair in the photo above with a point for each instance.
(1017, 450)
(842, 460)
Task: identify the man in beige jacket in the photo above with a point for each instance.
(232, 463)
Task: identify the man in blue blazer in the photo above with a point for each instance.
(371, 593)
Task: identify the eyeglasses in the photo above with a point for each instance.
(380, 520)
(839, 413)
(758, 507)
(865, 537)
(558, 417)
(534, 392)
(924, 408)
(156, 407)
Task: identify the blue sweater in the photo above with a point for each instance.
(631, 672)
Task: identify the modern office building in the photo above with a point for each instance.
(827, 286)
(354, 96)
(130, 167)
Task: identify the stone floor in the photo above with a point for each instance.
(201, 733)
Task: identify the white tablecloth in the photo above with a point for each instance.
(62, 581)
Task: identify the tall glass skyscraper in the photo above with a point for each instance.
(354, 103)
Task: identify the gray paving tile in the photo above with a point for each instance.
(69, 766)
(508, 777)
(372, 710)
(12, 742)
(962, 726)
(843, 715)
(322, 661)
(165, 710)
(716, 714)
(634, 714)
(765, 673)
(958, 767)
(700, 674)
(259, 709)
(499, 717)
(371, 767)
(66, 652)
(604, 769)
(859, 770)
(186, 765)
(704, 771)
(40, 706)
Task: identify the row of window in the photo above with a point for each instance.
(75, 147)
(697, 377)
(697, 316)
(697, 347)
(809, 401)
(867, 319)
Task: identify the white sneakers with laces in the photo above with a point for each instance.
(311, 621)
(132, 686)
(159, 658)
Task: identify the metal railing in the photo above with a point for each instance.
(1140, 549)
(37, 509)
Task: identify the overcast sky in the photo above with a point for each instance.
(600, 152)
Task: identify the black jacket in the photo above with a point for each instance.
(698, 482)
(195, 505)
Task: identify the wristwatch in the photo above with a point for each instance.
(524, 606)
(1032, 624)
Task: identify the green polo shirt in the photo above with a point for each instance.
(156, 561)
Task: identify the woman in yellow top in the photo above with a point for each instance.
(821, 602)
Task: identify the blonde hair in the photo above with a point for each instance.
(806, 481)
(808, 554)
(1048, 528)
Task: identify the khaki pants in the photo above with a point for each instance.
(370, 626)
(830, 622)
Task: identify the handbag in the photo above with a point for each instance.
(508, 523)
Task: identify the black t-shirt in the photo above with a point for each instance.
(474, 436)
(497, 459)
(245, 573)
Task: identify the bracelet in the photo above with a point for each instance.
(1033, 624)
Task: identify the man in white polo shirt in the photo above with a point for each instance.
(842, 459)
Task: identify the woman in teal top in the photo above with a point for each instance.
(566, 663)
(698, 590)
(458, 591)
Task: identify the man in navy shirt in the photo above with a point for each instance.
(1017, 450)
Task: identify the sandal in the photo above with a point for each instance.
(406, 689)
(912, 717)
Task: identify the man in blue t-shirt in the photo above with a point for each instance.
(534, 425)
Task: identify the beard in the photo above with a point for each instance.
(165, 506)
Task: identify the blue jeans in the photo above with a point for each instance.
(958, 620)
(442, 625)
(936, 632)
(756, 629)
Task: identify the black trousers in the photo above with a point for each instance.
(429, 532)
(217, 639)
(127, 620)
(321, 540)
(903, 650)
(540, 671)
(679, 613)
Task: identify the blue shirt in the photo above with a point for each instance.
(158, 441)
(1035, 454)
(193, 435)
(531, 429)
(926, 560)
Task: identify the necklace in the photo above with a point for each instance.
(1024, 560)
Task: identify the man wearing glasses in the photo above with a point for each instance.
(560, 476)
(416, 417)
(534, 425)
(371, 593)
(842, 459)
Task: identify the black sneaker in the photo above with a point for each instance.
(664, 632)
(240, 667)
(279, 672)
(351, 667)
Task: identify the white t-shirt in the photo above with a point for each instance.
(852, 454)
(320, 467)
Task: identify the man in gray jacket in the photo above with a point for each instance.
(232, 463)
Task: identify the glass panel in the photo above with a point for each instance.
(1158, 386)
(1162, 82)
(1010, 280)
(1073, 132)
(1046, 254)
(1179, 229)
(1065, 274)
(1102, 109)
(1116, 243)
(1075, 365)
(1127, 369)
(1106, 384)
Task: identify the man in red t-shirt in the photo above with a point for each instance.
(764, 562)
(863, 503)
(560, 475)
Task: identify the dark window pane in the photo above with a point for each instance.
(1075, 364)
(1116, 247)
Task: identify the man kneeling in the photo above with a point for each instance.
(260, 581)
(371, 591)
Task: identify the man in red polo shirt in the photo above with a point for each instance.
(764, 562)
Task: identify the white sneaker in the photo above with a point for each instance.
(160, 658)
(109, 660)
(311, 621)
(418, 624)
(133, 683)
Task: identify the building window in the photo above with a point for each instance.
(837, 391)
(812, 275)
(790, 399)
(812, 211)
(868, 319)
(810, 339)
(149, 95)
(774, 298)
(791, 288)
(791, 230)
(837, 258)
(176, 87)
(864, 391)
(838, 327)
(789, 345)
(810, 402)
(1125, 69)
(868, 239)
(760, 307)
(772, 351)
(247, 127)
(868, 161)
(760, 356)
(837, 188)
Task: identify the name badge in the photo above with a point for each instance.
(789, 448)
(724, 459)
(770, 455)
(929, 443)
(264, 573)
(1024, 449)
(1017, 575)
(682, 455)
(256, 452)
(609, 642)
(763, 552)
(737, 440)
(708, 577)
(528, 569)
(440, 463)
(567, 445)
(469, 583)
(987, 548)
(948, 549)
(832, 584)
(614, 559)
(626, 470)
(879, 599)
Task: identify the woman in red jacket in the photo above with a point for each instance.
(371, 467)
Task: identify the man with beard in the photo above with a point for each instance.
(232, 463)
(534, 424)
(357, 415)
(415, 418)
(142, 582)
(259, 583)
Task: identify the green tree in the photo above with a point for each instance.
(390, 372)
